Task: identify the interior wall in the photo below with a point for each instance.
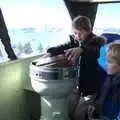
(16, 103)
(82, 8)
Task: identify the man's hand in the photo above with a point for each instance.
(73, 53)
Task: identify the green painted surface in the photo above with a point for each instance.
(16, 103)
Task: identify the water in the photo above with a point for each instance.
(34, 37)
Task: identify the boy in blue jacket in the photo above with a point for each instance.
(107, 105)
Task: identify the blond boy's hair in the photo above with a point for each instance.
(82, 22)
(114, 49)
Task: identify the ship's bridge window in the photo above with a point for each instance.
(107, 23)
(107, 18)
(35, 25)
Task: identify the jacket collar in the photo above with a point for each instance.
(88, 40)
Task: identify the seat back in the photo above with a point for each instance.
(110, 38)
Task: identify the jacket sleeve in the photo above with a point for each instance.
(60, 48)
(91, 51)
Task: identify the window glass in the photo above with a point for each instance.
(107, 18)
(35, 25)
(107, 23)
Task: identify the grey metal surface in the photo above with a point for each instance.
(52, 68)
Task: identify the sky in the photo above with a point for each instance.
(34, 13)
(43, 3)
(38, 13)
(108, 16)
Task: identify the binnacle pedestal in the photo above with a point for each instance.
(53, 82)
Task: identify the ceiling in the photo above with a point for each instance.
(95, 1)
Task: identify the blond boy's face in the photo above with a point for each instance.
(80, 35)
(111, 65)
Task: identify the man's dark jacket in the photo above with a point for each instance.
(91, 74)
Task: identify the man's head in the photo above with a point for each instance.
(113, 58)
(81, 27)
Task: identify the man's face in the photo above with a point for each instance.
(111, 64)
(80, 35)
